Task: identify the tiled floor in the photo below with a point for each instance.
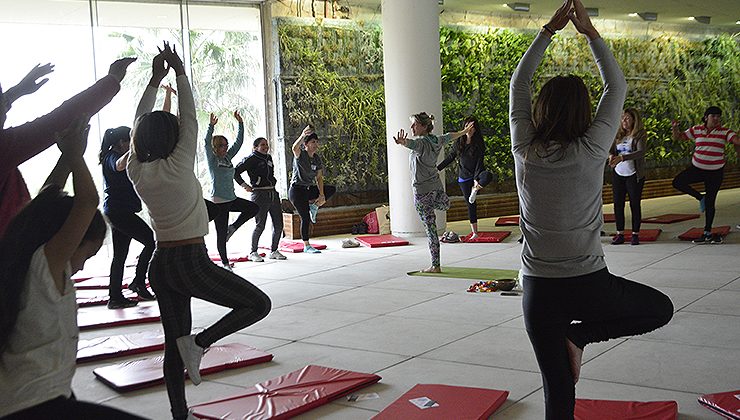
(357, 309)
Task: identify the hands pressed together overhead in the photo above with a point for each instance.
(573, 11)
(164, 61)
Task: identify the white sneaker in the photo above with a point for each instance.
(227, 267)
(276, 255)
(473, 236)
(313, 211)
(256, 257)
(191, 355)
(473, 194)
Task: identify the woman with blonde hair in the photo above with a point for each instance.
(627, 160)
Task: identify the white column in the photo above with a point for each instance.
(411, 66)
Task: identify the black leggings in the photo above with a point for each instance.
(268, 202)
(712, 182)
(124, 227)
(484, 178)
(300, 196)
(219, 213)
(179, 273)
(607, 306)
(627, 185)
(70, 408)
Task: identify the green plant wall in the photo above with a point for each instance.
(332, 77)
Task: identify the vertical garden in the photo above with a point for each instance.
(332, 77)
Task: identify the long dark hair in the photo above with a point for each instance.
(155, 135)
(476, 143)
(112, 138)
(562, 114)
(31, 228)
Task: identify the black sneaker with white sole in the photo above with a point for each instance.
(703, 239)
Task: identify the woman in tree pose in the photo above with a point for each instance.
(161, 167)
(429, 193)
(565, 277)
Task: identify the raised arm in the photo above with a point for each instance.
(28, 84)
(208, 140)
(676, 132)
(604, 127)
(234, 149)
(60, 248)
(18, 144)
(159, 71)
(297, 143)
(464, 132)
(447, 160)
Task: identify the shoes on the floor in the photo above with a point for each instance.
(716, 239)
(313, 211)
(702, 204)
(350, 243)
(473, 236)
(120, 303)
(703, 239)
(256, 257)
(473, 194)
(228, 266)
(141, 291)
(308, 249)
(618, 239)
(635, 239)
(191, 355)
(230, 231)
(276, 255)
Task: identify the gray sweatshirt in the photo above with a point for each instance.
(423, 161)
(560, 199)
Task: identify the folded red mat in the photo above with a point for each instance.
(625, 410)
(695, 233)
(670, 218)
(296, 246)
(726, 404)
(143, 373)
(508, 221)
(609, 218)
(380, 241)
(90, 318)
(288, 395)
(487, 237)
(433, 401)
(119, 345)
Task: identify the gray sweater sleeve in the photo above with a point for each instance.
(520, 95)
(603, 129)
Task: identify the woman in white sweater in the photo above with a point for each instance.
(559, 153)
(161, 168)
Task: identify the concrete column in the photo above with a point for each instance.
(411, 66)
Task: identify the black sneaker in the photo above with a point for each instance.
(635, 239)
(716, 239)
(618, 239)
(703, 239)
(121, 303)
(141, 291)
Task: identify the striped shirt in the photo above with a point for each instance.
(709, 149)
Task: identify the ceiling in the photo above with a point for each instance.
(724, 13)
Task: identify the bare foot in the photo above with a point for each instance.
(576, 357)
(432, 269)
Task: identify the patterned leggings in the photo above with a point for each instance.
(179, 273)
(425, 205)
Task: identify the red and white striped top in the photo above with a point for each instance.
(709, 149)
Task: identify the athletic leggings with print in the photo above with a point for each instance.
(425, 205)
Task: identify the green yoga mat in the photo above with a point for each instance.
(470, 273)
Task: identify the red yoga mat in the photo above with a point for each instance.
(625, 410)
(288, 395)
(380, 241)
(296, 246)
(609, 218)
(101, 282)
(90, 318)
(143, 373)
(695, 233)
(487, 237)
(670, 218)
(725, 404)
(508, 221)
(444, 402)
(646, 235)
(95, 297)
(119, 345)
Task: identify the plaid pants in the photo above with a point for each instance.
(425, 205)
(179, 273)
